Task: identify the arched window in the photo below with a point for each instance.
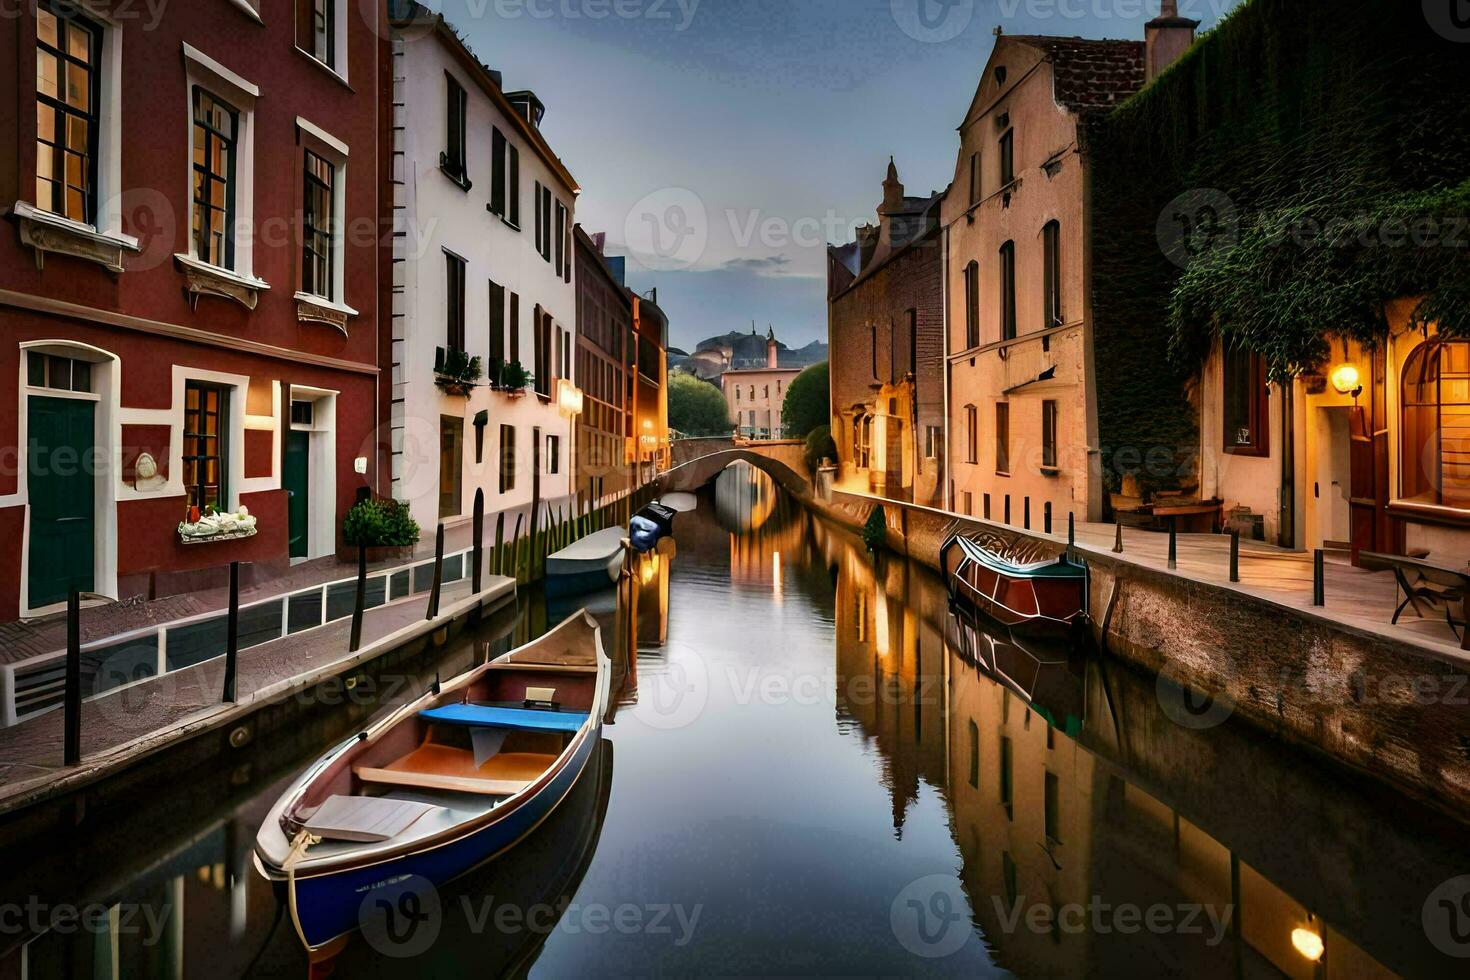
(1435, 442)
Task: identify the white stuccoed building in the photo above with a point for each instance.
(483, 265)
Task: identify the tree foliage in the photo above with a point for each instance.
(819, 446)
(808, 402)
(697, 408)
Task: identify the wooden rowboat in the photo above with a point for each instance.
(1026, 585)
(439, 786)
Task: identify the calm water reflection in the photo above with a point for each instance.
(818, 770)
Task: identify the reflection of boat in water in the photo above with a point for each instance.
(587, 564)
(1028, 586)
(1050, 675)
(441, 785)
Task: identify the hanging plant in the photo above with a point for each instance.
(457, 373)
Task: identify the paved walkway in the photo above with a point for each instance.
(134, 721)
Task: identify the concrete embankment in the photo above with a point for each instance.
(1392, 707)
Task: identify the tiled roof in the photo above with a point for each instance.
(1092, 75)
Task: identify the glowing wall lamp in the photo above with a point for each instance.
(1308, 942)
(1346, 380)
(568, 398)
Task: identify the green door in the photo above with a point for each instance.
(297, 480)
(62, 490)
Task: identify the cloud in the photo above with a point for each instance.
(766, 265)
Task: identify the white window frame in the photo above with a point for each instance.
(313, 137)
(339, 36)
(204, 72)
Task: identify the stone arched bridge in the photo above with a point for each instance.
(698, 461)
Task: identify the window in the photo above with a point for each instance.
(1007, 157)
(1435, 464)
(451, 464)
(68, 95)
(1246, 403)
(546, 223)
(215, 128)
(553, 454)
(316, 29)
(1051, 275)
(933, 442)
(974, 754)
(541, 338)
(316, 227)
(972, 305)
(1049, 434)
(540, 224)
(515, 327)
(513, 188)
(1005, 774)
(454, 301)
(58, 373)
(302, 413)
(1008, 291)
(560, 245)
(967, 500)
(972, 434)
(507, 458)
(737, 394)
(974, 179)
(1002, 438)
(497, 171)
(452, 160)
(206, 420)
(1053, 808)
(497, 323)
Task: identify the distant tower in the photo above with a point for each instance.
(770, 346)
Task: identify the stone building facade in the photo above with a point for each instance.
(885, 317)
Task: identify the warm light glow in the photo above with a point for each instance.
(776, 572)
(568, 397)
(1345, 379)
(1308, 943)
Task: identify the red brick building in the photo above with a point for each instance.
(885, 328)
(189, 288)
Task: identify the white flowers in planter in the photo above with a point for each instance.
(218, 526)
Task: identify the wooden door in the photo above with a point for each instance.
(297, 481)
(62, 489)
(1368, 496)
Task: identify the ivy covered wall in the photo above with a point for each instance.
(1302, 165)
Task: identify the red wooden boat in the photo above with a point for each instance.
(1029, 586)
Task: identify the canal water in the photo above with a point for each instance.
(812, 768)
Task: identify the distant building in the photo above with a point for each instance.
(885, 324)
(755, 395)
(605, 344)
(649, 416)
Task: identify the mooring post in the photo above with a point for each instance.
(1235, 556)
(479, 537)
(1118, 538)
(1319, 578)
(1046, 517)
(232, 633)
(1173, 543)
(1026, 513)
(438, 572)
(360, 601)
(72, 750)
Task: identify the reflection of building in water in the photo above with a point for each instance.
(890, 662)
(651, 594)
(768, 530)
(1042, 822)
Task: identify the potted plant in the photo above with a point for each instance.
(383, 525)
(510, 377)
(457, 373)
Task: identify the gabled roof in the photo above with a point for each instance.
(1091, 74)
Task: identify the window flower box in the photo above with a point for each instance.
(218, 527)
(455, 372)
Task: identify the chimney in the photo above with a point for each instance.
(527, 106)
(1167, 37)
(892, 191)
(770, 347)
(599, 241)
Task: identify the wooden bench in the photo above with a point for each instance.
(434, 766)
(1425, 584)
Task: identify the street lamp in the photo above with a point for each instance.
(1346, 380)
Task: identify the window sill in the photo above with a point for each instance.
(1051, 471)
(1250, 452)
(46, 232)
(317, 309)
(248, 10)
(203, 279)
(457, 179)
(340, 78)
(503, 219)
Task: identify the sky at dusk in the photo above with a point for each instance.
(722, 144)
